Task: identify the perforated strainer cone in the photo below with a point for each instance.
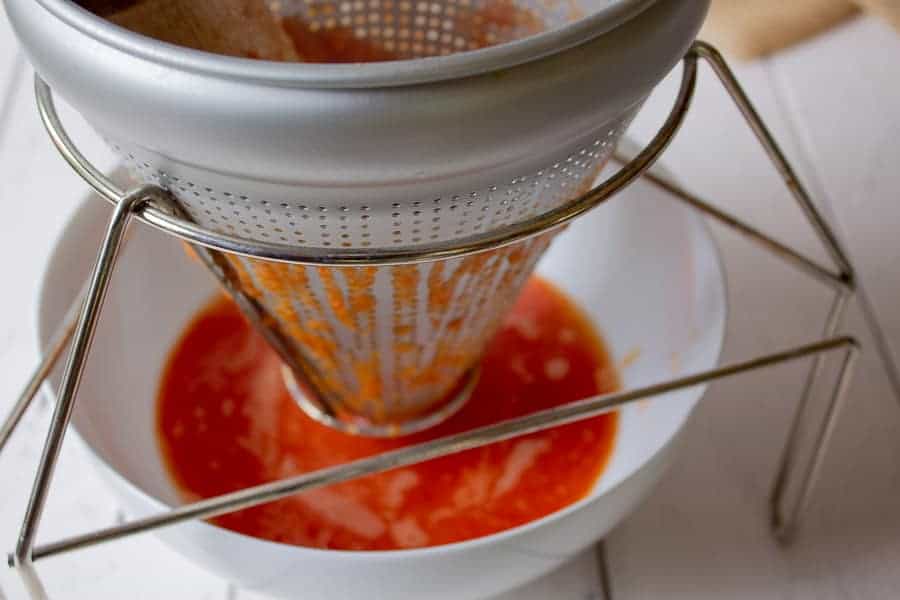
(435, 150)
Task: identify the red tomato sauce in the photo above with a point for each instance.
(226, 421)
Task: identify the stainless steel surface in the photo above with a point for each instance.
(809, 266)
(58, 343)
(262, 150)
(87, 322)
(391, 400)
(193, 233)
(603, 575)
(320, 411)
(589, 407)
(598, 17)
(776, 155)
(785, 520)
(473, 438)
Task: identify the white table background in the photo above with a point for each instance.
(834, 103)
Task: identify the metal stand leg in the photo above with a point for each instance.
(784, 515)
(58, 343)
(84, 334)
(784, 520)
(604, 580)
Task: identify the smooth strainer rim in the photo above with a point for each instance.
(357, 75)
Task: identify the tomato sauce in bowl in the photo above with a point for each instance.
(226, 421)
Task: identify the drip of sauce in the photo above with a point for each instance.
(226, 421)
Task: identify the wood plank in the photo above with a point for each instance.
(703, 533)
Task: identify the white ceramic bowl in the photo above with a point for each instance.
(645, 269)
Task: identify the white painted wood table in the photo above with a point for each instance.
(834, 103)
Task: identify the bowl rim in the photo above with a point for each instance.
(693, 220)
(611, 15)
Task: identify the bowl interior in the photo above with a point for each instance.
(643, 267)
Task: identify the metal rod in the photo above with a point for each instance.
(782, 251)
(497, 238)
(71, 379)
(773, 150)
(69, 151)
(604, 577)
(474, 438)
(58, 342)
(785, 526)
(885, 352)
(791, 450)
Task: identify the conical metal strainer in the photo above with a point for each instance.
(432, 152)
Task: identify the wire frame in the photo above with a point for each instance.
(153, 206)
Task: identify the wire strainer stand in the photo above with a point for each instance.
(793, 482)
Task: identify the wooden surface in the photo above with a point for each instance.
(834, 102)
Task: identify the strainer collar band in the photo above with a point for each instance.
(503, 236)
